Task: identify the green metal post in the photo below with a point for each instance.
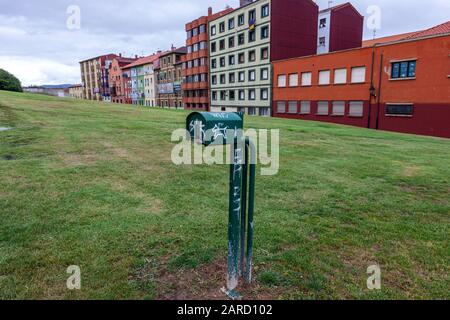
(244, 212)
(234, 218)
(250, 149)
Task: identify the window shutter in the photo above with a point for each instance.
(338, 108)
(324, 77)
(293, 80)
(322, 108)
(358, 75)
(305, 107)
(306, 79)
(282, 81)
(340, 76)
(356, 108)
(281, 107)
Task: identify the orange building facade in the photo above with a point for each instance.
(196, 63)
(401, 86)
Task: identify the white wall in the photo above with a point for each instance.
(324, 32)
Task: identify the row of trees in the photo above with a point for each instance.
(9, 82)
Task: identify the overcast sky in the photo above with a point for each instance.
(38, 47)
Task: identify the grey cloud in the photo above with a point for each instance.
(36, 30)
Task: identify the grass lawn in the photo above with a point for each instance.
(90, 184)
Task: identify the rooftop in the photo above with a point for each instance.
(436, 30)
(442, 28)
(144, 60)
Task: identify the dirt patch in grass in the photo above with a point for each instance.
(203, 283)
(75, 160)
(117, 152)
(411, 171)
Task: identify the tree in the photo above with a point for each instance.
(9, 82)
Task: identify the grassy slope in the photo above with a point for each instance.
(93, 185)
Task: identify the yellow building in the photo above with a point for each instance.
(95, 77)
(76, 91)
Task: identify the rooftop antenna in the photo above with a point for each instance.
(374, 33)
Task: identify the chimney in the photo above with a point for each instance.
(244, 2)
(210, 12)
(136, 56)
(120, 55)
(173, 48)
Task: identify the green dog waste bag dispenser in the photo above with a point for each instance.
(209, 128)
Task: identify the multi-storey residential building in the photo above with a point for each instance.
(118, 79)
(339, 28)
(76, 91)
(169, 78)
(245, 41)
(127, 85)
(195, 63)
(95, 77)
(150, 82)
(141, 83)
(395, 83)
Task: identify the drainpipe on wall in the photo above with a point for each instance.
(372, 90)
(379, 92)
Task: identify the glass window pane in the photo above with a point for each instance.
(395, 70)
(404, 69)
(412, 69)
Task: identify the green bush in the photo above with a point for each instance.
(9, 82)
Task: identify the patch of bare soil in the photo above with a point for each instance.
(205, 283)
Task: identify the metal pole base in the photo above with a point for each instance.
(233, 294)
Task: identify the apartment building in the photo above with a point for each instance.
(95, 77)
(169, 78)
(245, 41)
(150, 83)
(142, 83)
(399, 83)
(118, 79)
(339, 28)
(196, 62)
(76, 91)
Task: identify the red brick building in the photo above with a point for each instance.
(401, 85)
(118, 79)
(195, 63)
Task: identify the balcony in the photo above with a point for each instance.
(195, 85)
(195, 99)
